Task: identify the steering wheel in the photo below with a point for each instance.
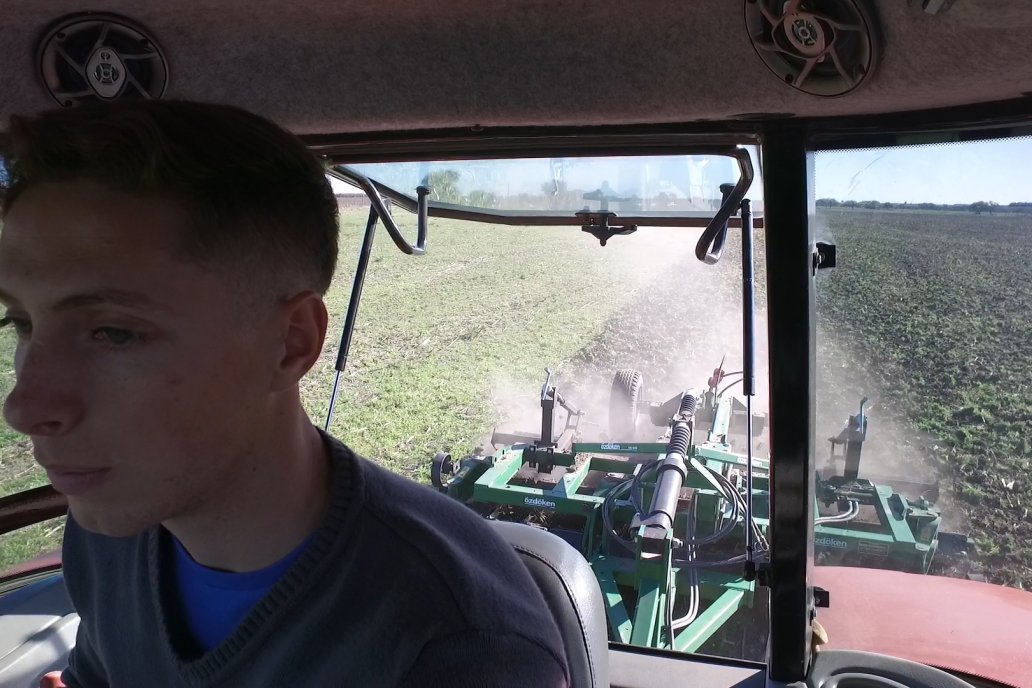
(853, 669)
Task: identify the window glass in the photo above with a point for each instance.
(628, 185)
(18, 470)
(449, 354)
(31, 546)
(924, 380)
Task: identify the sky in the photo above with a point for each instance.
(694, 177)
(951, 173)
(999, 170)
(342, 188)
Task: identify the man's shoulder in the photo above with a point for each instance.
(398, 497)
(448, 568)
(423, 519)
(421, 529)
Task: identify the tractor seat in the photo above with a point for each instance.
(572, 593)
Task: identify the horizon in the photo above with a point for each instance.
(944, 174)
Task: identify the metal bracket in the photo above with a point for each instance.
(711, 243)
(823, 256)
(550, 397)
(596, 223)
(541, 458)
(758, 571)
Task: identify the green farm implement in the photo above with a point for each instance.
(675, 528)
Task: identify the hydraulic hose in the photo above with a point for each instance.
(607, 519)
(849, 515)
(693, 574)
(673, 469)
(636, 481)
(681, 436)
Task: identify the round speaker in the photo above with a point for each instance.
(97, 56)
(825, 48)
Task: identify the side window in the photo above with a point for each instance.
(20, 472)
(924, 353)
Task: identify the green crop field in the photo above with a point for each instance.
(928, 314)
(937, 309)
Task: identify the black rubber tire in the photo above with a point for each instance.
(623, 404)
(441, 470)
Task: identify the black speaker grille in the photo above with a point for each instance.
(95, 56)
(825, 48)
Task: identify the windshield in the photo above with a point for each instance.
(450, 357)
(446, 382)
(924, 389)
(627, 185)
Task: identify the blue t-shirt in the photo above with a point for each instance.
(215, 602)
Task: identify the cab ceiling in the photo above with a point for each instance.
(340, 66)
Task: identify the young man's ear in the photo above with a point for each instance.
(304, 332)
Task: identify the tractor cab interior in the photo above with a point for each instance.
(755, 272)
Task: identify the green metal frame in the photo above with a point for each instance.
(488, 480)
(904, 539)
(637, 589)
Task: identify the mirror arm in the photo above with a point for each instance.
(711, 243)
(376, 200)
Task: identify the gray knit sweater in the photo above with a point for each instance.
(400, 586)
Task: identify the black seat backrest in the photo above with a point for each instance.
(572, 593)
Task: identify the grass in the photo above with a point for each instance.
(18, 472)
(439, 334)
(31, 541)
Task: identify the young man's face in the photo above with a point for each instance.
(137, 378)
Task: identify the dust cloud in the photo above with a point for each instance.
(681, 319)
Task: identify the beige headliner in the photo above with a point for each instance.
(338, 66)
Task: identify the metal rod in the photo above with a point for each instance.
(709, 622)
(748, 303)
(377, 205)
(547, 410)
(708, 249)
(748, 377)
(711, 243)
(352, 315)
(333, 401)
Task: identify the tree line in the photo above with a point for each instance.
(978, 207)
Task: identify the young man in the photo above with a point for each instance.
(163, 264)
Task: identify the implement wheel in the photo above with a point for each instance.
(623, 404)
(441, 470)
